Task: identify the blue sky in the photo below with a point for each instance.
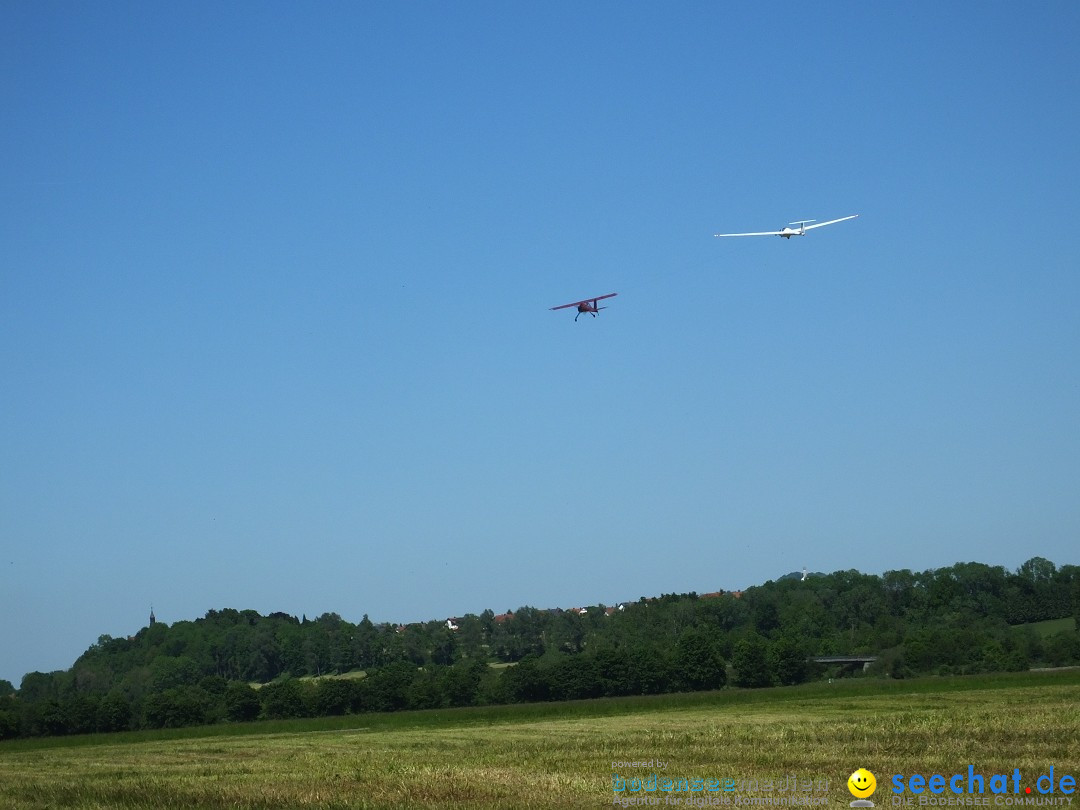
(275, 283)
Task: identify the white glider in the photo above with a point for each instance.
(788, 232)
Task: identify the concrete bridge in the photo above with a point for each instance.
(846, 660)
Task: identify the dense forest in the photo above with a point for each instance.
(237, 665)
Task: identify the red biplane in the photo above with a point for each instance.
(588, 305)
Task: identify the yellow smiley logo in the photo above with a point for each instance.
(862, 783)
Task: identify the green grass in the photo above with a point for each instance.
(1052, 627)
(352, 675)
(355, 674)
(561, 755)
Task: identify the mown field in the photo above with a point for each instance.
(562, 755)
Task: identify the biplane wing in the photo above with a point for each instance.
(586, 301)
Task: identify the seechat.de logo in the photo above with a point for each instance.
(1005, 789)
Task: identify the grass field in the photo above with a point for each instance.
(1051, 627)
(562, 755)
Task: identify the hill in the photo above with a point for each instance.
(969, 617)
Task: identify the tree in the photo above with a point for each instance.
(40, 686)
(10, 726)
(444, 646)
(114, 713)
(1037, 570)
(525, 681)
(520, 635)
(567, 632)
(1036, 581)
(80, 713)
(766, 616)
(282, 699)
(386, 689)
(902, 595)
(787, 662)
(615, 672)
(417, 645)
(1062, 649)
(424, 692)
(1076, 602)
(460, 683)
(177, 707)
(749, 662)
(241, 702)
(333, 696)
(264, 657)
(698, 663)
(168, 672)
(574, 677)
(653, 671)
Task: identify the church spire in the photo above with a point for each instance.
(152, 619)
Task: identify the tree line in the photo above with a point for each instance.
(234, 665)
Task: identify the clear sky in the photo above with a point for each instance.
(275, 283)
